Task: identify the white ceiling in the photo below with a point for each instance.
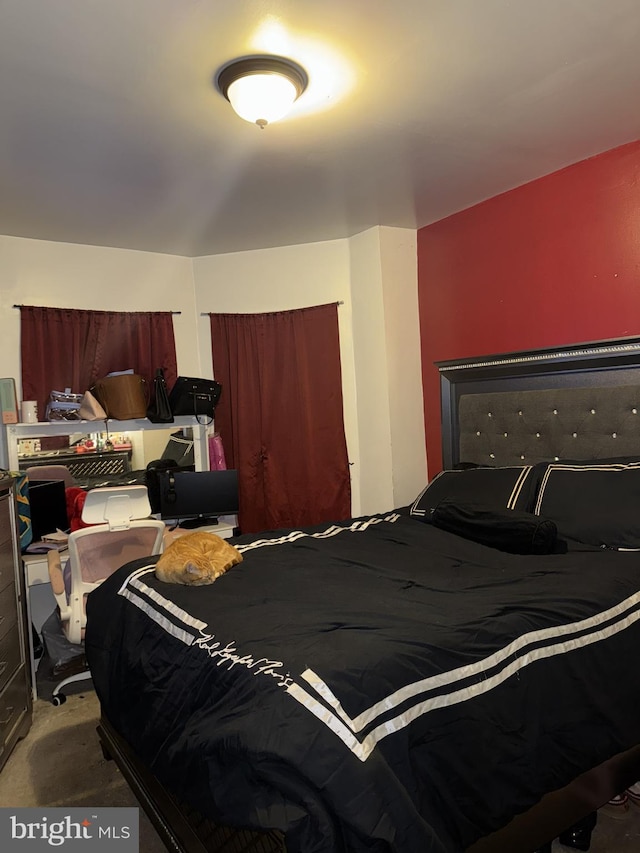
(112, 133)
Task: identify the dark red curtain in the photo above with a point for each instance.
(69, 348)
(280, 415)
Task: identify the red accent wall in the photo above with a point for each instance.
(555, 261)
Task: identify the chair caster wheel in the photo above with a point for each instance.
(579, 836)
(58, 699)
(579, 840)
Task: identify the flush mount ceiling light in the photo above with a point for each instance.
(262, 89)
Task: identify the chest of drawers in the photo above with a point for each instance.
(15, 679)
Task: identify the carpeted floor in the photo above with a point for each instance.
(60, 763)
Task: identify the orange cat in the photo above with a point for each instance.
(196, 558)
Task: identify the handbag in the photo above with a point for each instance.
(90, 408)
(191, 396)
(63, 406)
(159, 410)
(123, 396)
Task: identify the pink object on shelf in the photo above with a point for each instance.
(217, 461)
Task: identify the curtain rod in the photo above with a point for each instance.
(98, 309)
(209, 313)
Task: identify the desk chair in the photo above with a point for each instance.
(51, 472)
(118, 535)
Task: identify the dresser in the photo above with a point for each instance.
(15, 678)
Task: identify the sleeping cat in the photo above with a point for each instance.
(196, 558)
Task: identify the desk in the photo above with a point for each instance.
(223, 529)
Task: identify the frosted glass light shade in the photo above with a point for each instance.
(261, 89)
(262, 98)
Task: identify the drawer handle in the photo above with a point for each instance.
(3, 665)
(8, 717)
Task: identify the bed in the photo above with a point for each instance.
(385, 684)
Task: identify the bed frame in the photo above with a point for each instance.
(577, 402)
(181, 828)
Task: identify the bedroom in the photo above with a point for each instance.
(534, 269)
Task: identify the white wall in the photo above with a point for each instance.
(373, 275)
(66, 275)
(398, 259)
(386, 339)
(370, 357)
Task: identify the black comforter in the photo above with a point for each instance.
(376, 685)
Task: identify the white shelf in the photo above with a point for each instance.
(12, 432)
(45, 428)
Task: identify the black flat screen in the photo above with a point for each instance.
(198, 496)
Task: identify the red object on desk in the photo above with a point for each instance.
(75, 501)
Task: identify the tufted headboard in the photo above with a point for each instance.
(576, 402)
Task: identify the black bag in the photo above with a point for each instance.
(159, 411)
(508, 530)
(191, 396)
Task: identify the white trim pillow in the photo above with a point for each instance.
(597, 503)
(511, 487)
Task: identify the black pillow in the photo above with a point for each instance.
(508, 530)
(597, 503)
(512, 487)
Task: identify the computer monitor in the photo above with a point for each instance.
(197, 498)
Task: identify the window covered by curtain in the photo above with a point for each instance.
(280, 415)
(69, 348)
